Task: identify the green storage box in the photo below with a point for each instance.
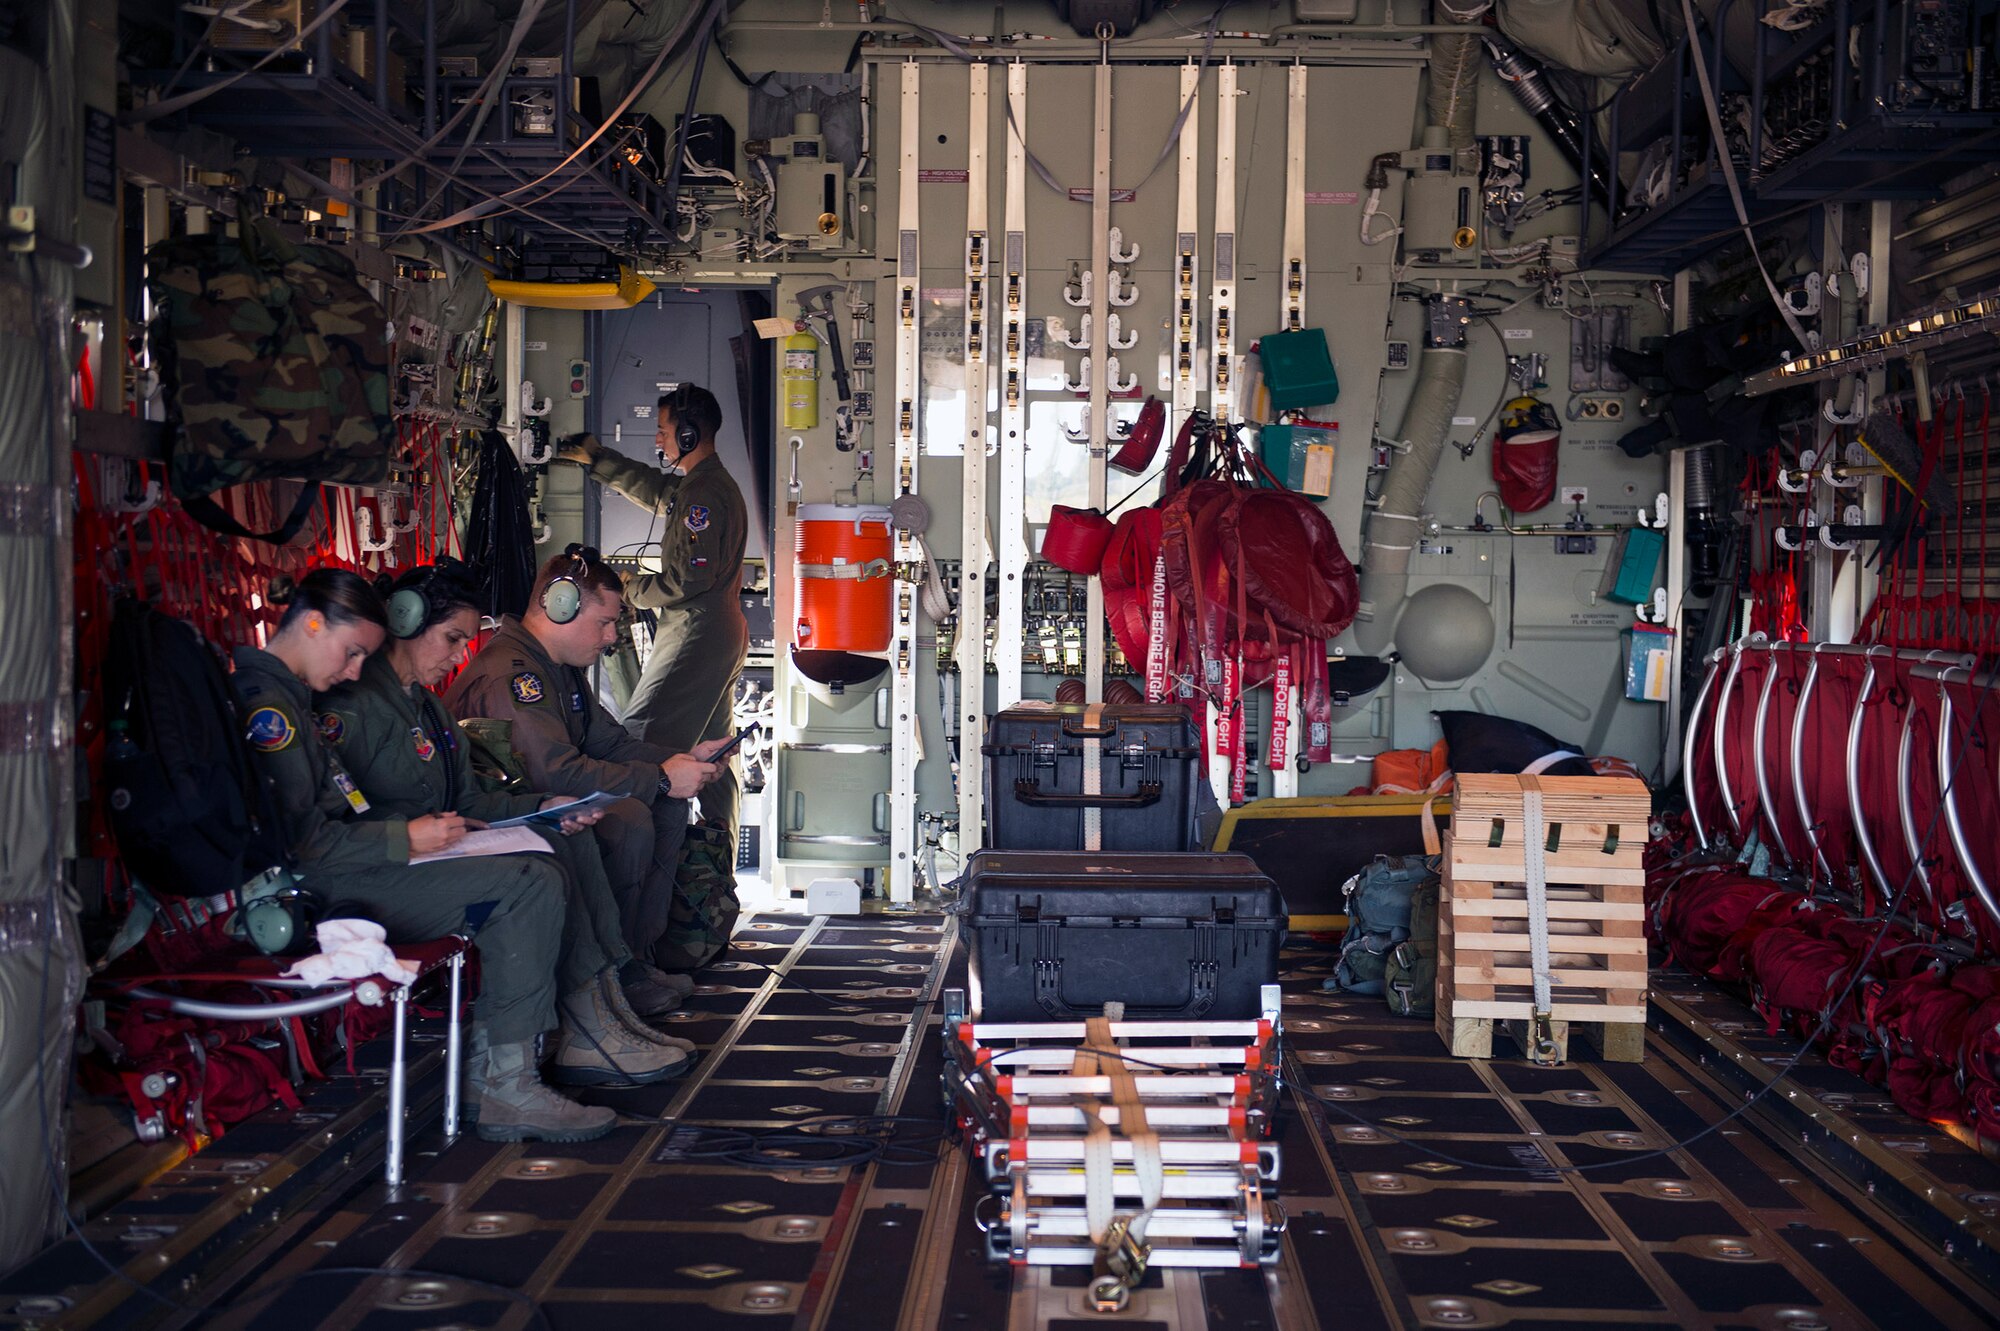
(1301, 456)
(1639, 553)
(1298, 369)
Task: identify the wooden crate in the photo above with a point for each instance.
(1594, 836)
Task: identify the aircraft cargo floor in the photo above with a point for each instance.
(1421, 1190)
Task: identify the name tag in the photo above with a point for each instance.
(348, 790)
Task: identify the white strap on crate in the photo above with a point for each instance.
(1534, 856)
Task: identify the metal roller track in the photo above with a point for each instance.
(1421, 1190)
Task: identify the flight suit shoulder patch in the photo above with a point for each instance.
(270, 730)
(332, 727)
(526, 687)
(697, 518)
(426, 750)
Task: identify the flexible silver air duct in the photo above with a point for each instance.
(1392, 531)
(1455, 72)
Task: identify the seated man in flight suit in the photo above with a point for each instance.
(532, 674)
(411, 759)
(511, 906)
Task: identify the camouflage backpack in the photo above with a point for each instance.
(705, 905)
(276, 361)
(1409, 976)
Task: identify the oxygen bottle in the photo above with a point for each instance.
(799, 380)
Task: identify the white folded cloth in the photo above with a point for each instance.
(353, 950)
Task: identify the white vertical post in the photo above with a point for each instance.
(1291, 318)
(1292, 294)
(1868, 579)
(1222, 289)
(1185, 387)
(903, 720)
(1099, 425)
(972, 525)
(1187, 263)
(1676, 547)
(1007, 643)
(1221, 316)
(513, 360)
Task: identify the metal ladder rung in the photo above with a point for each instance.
(1157, 1116)
(1070, 1151)
(1086, 1255)
(1181, 1056)
(1073, 1031)
(1187, 1184)
(1193, 1222)
(1148, 1088)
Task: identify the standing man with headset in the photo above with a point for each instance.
(687, 692)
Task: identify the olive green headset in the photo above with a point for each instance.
(562, 599)
(410, 605)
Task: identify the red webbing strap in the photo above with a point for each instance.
(1239, 759)
(1318, 685)
(1192, 689)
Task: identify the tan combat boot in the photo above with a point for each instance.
(594, 1048)
(622, 1012)
(513, 1105)
(652, 992)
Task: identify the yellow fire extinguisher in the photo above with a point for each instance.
(799, 381)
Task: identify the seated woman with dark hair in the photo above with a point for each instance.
(512, 908)
(411, 759)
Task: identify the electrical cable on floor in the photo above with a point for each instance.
(785, 977)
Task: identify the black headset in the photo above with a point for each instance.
(687, 435)
(562, 599)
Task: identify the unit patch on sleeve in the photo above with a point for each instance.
(425, 749)
(331, 728)
(527, 686)
(270, 730)
(697, 518)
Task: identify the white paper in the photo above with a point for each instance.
(553, 816)
(488, 841)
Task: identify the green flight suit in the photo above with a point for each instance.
(512, 907)
(687, 692)
(569, 745)
(411, 758)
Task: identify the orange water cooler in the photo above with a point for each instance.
(844, 600)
